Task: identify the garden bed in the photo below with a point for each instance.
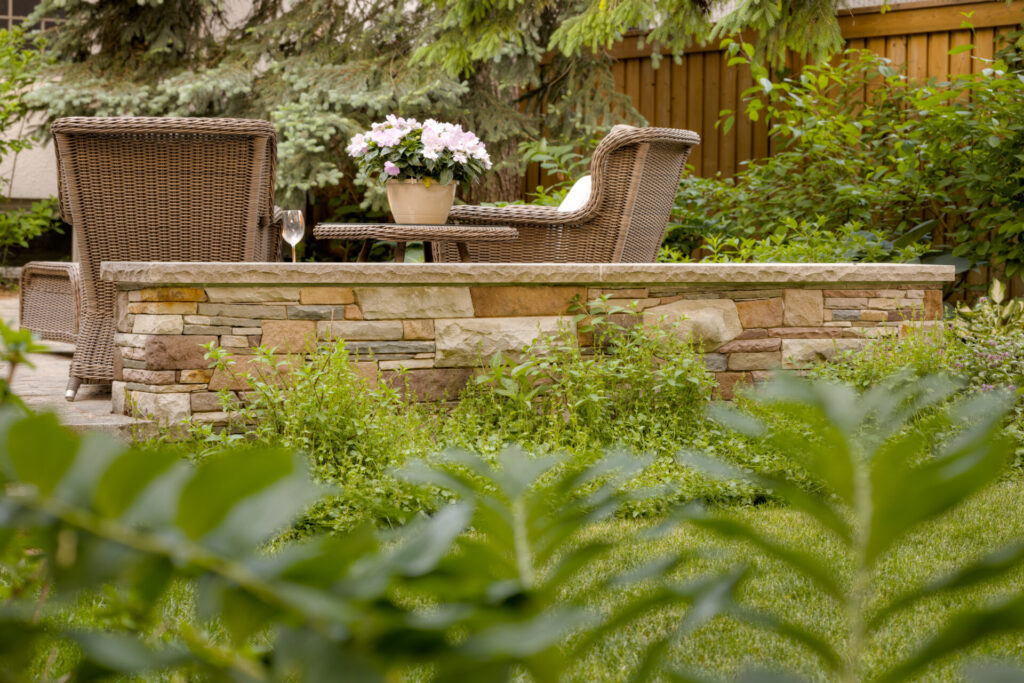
(435, 323)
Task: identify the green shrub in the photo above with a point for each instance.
(353, 428)
(640, 385)
(19, 227)
(793, 242)
(908, 159)
(885, 473)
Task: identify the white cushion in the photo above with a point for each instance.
(577, 197)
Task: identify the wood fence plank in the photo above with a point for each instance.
(694, 109)
(938, 55)
(727, 154)
(677, 107)
(984, 48)
(917, 57)
(929, 19)
(663, 94)
(711, 94)
(647, 90)
(896, 50)
(744, 129)
(959, 63)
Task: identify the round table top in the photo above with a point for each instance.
(415, 233)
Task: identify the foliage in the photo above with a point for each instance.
(405, 148)
(640, 385)
(886, 473)
(430, 596)
(803, 242)
(870, 146)
(354, 429)
(990, 316)
(18, 227)
(563, 164)
(323, 71)
(19, 63)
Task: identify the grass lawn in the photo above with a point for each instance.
(993, 518)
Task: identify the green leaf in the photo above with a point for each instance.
(40, 451)
(127, 477)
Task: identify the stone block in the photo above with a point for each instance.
(496, 302)
(747, 294)
(632, 293)
(177, 353)
(162, 388)
(194, 376)
(408, 364)
(132, 353)
(118, 364)
(933, 304)
(256, 331)
(289, 336)
(119, 398)
(799, 353)
(802, 307)
(221, 321)
(379, 303)
(708, 322)
(846, 302)
(168, 294)
(763, 360)
(435, 384)
(234, 378)
(157, 324)
(210, 401)
(756, 333)
(806, 332)
(462, 343)
(326, 296)
(248, 311)
(872, 332)
(914, 294)
(214, 418)
(205, 329)
(368, 371)
(238, 341)
(851, 293)
(377, 348)
(729, 383)
(164, 408)
(883, 304)
(122, 319)
(353, 312)
(164, 307)
(417, 329)
(299, 312)
(251, 294)
(873, 316)
(716, 362)
(760, 312)
(843, 314)
(126, 362)
(148, 376)
(137, 341)
(751, 345)
(359, 330)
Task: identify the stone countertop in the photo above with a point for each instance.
(163, 273)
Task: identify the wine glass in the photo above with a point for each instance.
(293, 229)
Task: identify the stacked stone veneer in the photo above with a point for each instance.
(435, 322)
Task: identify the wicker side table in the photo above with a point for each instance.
(460, 234)
(50, 296)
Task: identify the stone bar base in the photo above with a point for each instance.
(435, 321)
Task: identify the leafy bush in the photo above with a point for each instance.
(354, 429)
(19, 227)
(885, 473)
(803, 242)
(430, 597)
(907, 159)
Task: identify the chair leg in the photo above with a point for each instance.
(72, 390)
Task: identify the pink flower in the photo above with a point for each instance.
(391, 169)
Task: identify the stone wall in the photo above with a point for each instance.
(436, 321)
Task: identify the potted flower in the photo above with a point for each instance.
(419, 164)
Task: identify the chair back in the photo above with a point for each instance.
(165, 189)
(635, 178)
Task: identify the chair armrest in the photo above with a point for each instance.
(519, 214)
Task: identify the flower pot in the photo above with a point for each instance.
(415, 202)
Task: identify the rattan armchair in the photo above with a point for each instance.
(635, 178)
(159, 189)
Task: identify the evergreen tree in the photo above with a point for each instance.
(321, 70)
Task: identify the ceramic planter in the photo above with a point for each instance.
(415, 202)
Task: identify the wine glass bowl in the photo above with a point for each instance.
(293, 229)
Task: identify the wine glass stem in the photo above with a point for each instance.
(294, 260)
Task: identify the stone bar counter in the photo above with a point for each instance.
(436, 321)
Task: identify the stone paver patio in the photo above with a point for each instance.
(42, 388)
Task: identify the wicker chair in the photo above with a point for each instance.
(159, 189)
(635, 175)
